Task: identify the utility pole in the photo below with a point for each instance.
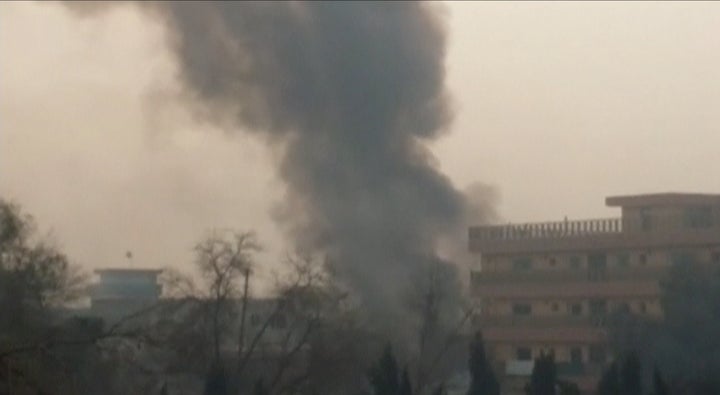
(243, 312)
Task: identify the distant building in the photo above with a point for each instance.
(123, 291)
(551, 286)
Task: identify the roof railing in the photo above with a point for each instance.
(547, 230)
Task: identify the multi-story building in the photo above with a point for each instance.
(551, 286)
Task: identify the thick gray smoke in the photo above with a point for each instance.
(350, 92)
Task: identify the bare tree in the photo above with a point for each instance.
(441, 314)
(222, 259)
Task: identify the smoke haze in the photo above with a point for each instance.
(348, 94)
(558, 104)
(350, 91)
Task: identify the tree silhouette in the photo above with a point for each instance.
(215, 382)
(609, 383)
(631, 375)
(544, 376)
(483, 381)
(384, 377)
(659, 386)
(405, 385)
(259, 388)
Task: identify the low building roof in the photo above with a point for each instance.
(127, 271)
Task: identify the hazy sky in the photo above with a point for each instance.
(557, 105)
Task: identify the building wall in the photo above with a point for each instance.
(568, 307)
(562, 352)
(572, 260)
(553, 287)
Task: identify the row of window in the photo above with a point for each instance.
(597, 354)
(594, 261)
(599, 261)
(595, 307)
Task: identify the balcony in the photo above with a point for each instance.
(547, 230)
(564, 276)
(636, 288)
(548, 321)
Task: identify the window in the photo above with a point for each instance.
(576, 355)
(555, 307)
(598, 307)
(576, 309)
(623, 307)
(698, 217)
(522, 309)
(552, 261)
(623, 260)
(643, 259)
(575, 262)
(597, 354)
(683, 257)
(597, 261)
(643, 307)
(523, 354)
(716, 257)
(645, 221)
(522, 263)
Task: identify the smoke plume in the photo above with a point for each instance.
(349, 93)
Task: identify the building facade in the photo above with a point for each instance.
(120, 292)
(550, 287)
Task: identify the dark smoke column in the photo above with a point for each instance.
(350, 92)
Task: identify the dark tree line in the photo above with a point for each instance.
(683, 347)
(386, 378)
(482, 377)
(625, 376)
(544, 379)
(323, 348)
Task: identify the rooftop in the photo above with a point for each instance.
(663, 199)
(543, 230)
(633, 220)
(127, 271)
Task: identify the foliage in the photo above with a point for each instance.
(384, 375)
(216, 381)
(622, 377)
(684, 344)
(33, 273)
(568, 388)
(631, 375)
(659, 385)
(36, 282)
(609, 383)
(405, 385)
(321, 348)
(259, 388)
(483, 381)
(543, 380)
